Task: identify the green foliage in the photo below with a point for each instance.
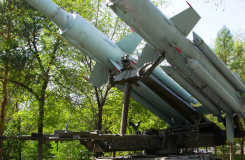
(48, 72)
(43, 65)
(231, 51)
(12, 148)
(113, 111)
(69, 150)
(224, 45)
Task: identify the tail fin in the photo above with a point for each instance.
(186, 20)
(99, 75)
(129, 43)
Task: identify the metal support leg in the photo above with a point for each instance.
(125, 108)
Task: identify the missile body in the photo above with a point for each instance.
(164, 107)
(206, 77)
(217, 62)
(191, 89)
(174, 86)
(141, 100)
(176, 102)
(81, 33)
(169, 36)
(107, 55)
(149, 55)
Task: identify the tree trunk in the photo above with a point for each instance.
(5, 78)
(101, 103)
(100, 113)
(41, 120)
(4, 103)
(42, 98)
(40, 128)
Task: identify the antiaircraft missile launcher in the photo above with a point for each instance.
(193, 65)
(200, 76)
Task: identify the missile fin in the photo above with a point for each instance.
(129, 43)
(186, 20)
(99, 75)
(148, 55)
(117, 66)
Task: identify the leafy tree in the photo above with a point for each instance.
(232, 53)
(45, 78)
(238, 61)
(9, 47)
(224, 45)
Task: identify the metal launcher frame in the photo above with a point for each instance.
(199, 133)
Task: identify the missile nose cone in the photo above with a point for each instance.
(193, 100)
(50, 10)
(197, 39)
(193, 64)
(46, 7)
(166, 69)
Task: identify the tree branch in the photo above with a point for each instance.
(56, 45)
(24, 86)
(115, 29)
(3, 35)
(97, 13)
(97, 96)
(105, 96)
(36, 50)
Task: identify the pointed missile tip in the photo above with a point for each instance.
(188, 4)
(190, 60)
(197, 39)
(195, 35)
(164, 67)
(192, 63)
(167, 70)
(193, 100)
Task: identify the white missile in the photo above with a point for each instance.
(105, 52)
(174, 86)
(216, 87)
(84, 36)
(191, 89)
(217, 62)
(90, 40)
(169, 35)
(158, 102)
(149, 55)
(138, 98)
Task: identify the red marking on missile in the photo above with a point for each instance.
(133, 62)
(131, 29)
(117, 70)
(178, 49)
(188, 4)
(85, 78)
